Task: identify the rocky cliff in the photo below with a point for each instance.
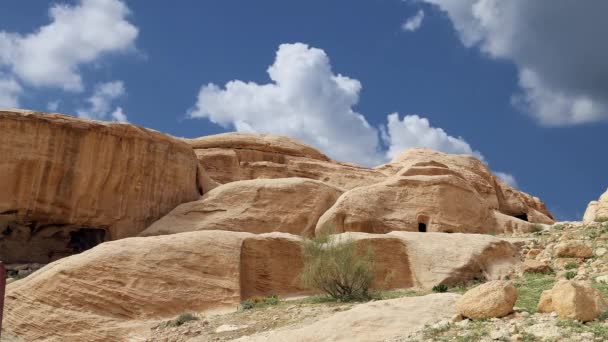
(69, 184)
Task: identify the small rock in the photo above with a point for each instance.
(456, 318)
(600, 251)
(229, 327)
(602, 279)
(463, 323)
(516, 338)
(534, 266)
(497, 335)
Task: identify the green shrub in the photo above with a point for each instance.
(530, 287)
(601, 219)
(336, 267)
(570, 275)
(570, 266)
(558, 227)
(440, 288)
(256, 302)
(535, 228)
(182, 319)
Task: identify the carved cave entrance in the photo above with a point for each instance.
(522, 216)
(423, 221)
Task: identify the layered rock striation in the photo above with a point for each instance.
(68, 184)
(120, 288)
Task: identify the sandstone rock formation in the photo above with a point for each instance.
(573, 300)
(597, 210)
(496, 193)
(428, 195)
(290, 205)
(68, 184)
(454, 259)
(231, 157)
(376, 321)
(121, 286)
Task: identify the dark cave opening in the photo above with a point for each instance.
(85, 238)
(523, 216)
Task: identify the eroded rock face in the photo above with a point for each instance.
(118, 289)
(68, 184)
(489, 300)
(433, 191)
(573, 300)
(454, 259)
(496, 193)
(441, 203)
(232, 157)
(597, 210)
(290, 205)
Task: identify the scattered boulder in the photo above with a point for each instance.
(492, 299)
(602, 279)
(290, 205)
(535, 266)
(573, 249)
(597, 210)
(69, 184)
(375, 321)
(573, 300)
(532, 253)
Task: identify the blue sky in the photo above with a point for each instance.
(523, 85)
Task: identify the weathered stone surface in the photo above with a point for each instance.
(573, 249)
(232, 157)
(290, 205)
(376, 321)
(597, 210)
(495, 193)
(433, 191)
(120, 288)
(492, 299)
(535, 266)
(453, 259)
(98, 295)
(68, 184)
(443, 203)
(573, 300)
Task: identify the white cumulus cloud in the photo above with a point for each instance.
(9, 92)
(100, 102)
(52, 55)
(507, 178)
(305, 100)
(308, 101)
(415, 131)
(556, 46)
(413, 23)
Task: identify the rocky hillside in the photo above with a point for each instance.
(139, 227)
